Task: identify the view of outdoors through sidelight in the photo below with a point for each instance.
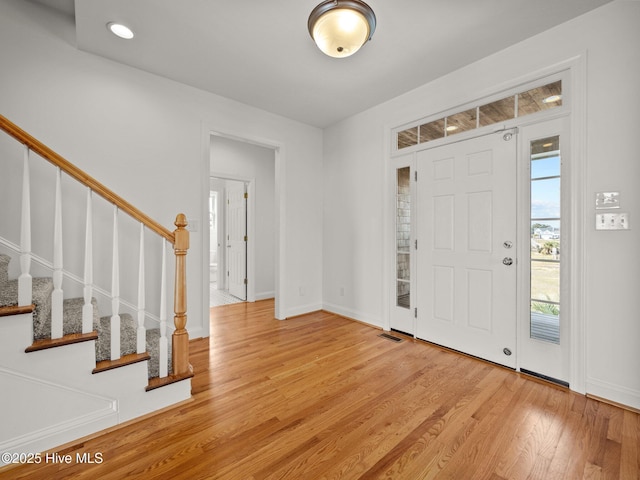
(545, 239)
(403, 237)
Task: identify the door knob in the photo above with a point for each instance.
(507, 260)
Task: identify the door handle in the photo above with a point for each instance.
(507, 261)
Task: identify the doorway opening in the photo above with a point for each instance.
(244, 176)
(227, 242)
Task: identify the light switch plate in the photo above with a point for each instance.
(612, 221)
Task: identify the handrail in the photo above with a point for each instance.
(45, 152)
(179, 238)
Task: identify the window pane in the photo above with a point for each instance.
(403, 266)
(407, 138)
(497, 111)
(542, 233)
(545, 167)
(540, 98)
(545, 239)
(548, 146)
(545, 198)
(404, 299)
(545, 279)
(545, 322)
(461, 122)
(432, 131)
(403, 235)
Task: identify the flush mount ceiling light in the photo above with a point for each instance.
(120, 30)
(341, 27)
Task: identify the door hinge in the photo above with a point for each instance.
(415, 312)
(416, 243)
(246, 195)
(246, 239)
(246, 282)
(415, 175)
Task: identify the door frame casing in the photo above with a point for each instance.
(207, 131)
(574, 71)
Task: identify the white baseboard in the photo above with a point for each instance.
(265, 295)
(615, 393)
(354, 314)
(301, 310)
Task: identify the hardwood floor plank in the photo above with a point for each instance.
(321, 396)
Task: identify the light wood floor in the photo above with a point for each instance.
(323, 397)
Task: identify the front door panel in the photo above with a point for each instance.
(466, 228)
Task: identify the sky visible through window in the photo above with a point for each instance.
(545, 190)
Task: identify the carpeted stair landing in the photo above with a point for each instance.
(72, 320)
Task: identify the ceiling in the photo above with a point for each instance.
(260, 52)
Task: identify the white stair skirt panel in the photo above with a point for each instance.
(38, 388)
(53, 413)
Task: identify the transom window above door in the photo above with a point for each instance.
(515, 105)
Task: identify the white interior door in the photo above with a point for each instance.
(466, 257)
(236, 240)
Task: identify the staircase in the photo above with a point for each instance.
(65, 370)
(72, 324)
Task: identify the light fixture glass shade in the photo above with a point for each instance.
(120, 30)
(340, 28)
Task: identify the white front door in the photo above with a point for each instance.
(237, 240)
(466, 256)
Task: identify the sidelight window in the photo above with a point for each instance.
(546, 239)
(403, 237)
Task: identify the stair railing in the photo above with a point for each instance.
(179, 238)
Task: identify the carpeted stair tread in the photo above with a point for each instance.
(4, 268)
(42, 289)
(72, 308)
(153, 348)
(41, 298)
(127, 336)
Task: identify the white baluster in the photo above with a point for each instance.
(115, 292)
(87, 309)
(57, 296)
(25, 288)
(142, 332)
(164, 344)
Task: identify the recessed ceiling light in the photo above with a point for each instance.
(120, 30)
(552, 98)
(451, 128)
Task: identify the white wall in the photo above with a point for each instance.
(354, 183)
(141, 136)
(241, 160)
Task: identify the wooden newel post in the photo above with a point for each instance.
(180, 339)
